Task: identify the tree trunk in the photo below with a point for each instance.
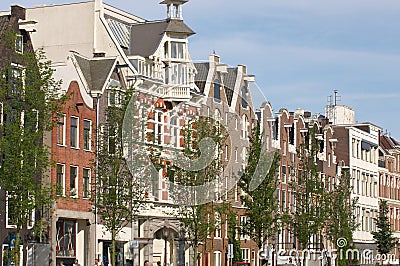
(15, 252)
(113, 236)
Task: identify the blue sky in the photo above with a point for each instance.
(300, 51)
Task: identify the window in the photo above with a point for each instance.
(178, 74)
(329, 160)
(284, 148)
(175, 132)
(73, 181)
(17, 79)
(177, 50)
(243, 222)
(19, 44)
(283, 200)
(291, 134)
(114, 98)
(60, 179)
(86, 182)
(66, 238)
(275, 129)
(217, 258)
(74, 132)
(244, 126)
(87, 134)
(218, 223)
(283, 173)
(159, 127)
(217, 91)
(60, 129)
(236, 154)
(244, 97)
(11, 213)
(246, 254)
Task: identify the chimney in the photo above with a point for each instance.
(18, 11)
(242, 68)
(214, 58)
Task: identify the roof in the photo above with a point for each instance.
(95, 71)
(201, 76)
(4, 20)
(388, 142)
(229, 83)
(167, 2)
(146, 37)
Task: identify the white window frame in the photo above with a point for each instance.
(63, 178)
(217, 258)
(90, 134)
(7, 217)
(77, 132)
(76, 193)
(64, 131)
(243, 220)
(19, 40)
(218, 225)
(117, 97)
(89, 182)
(30, 224)
(245, 254)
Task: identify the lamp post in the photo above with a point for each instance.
(165, 235)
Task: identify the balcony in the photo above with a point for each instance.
(174, 93)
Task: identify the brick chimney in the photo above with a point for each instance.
(18, 12)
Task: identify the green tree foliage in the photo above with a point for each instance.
(233, 229)
(28, 100)
(384, 235)
(342, 220)
(118, 195)
(311, 198)
(261, 204)
(199, 221)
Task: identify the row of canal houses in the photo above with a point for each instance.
(96, 48)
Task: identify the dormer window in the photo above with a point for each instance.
(19, 44)
(244, 97)
(217, 91)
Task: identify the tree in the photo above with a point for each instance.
(384, 236)
(342, 220)
(311, 199)
(232, 227)
(118, 194)
(29, 98)
(198, 221)
(261, 204)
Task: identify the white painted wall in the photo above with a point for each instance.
(63, 28)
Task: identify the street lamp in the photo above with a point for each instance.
(165, 236)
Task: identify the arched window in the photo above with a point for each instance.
(217, 91)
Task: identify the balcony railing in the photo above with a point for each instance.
(174, 92)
